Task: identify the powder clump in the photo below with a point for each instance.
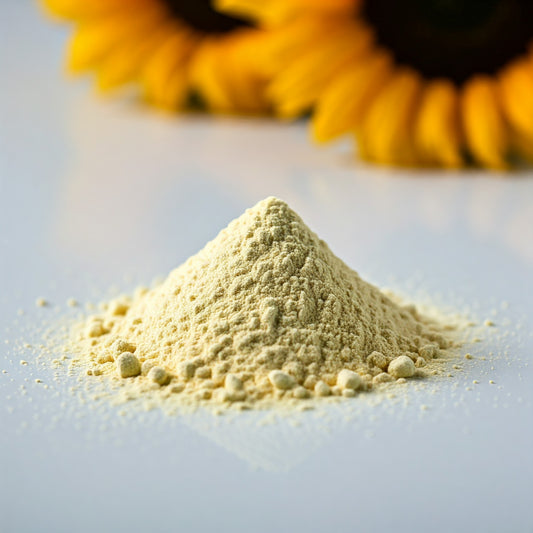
(264, 311)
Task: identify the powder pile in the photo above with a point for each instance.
(264, 312)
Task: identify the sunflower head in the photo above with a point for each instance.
(172, 49)
(419, 82)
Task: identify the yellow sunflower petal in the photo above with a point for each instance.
(274, 12)
(295, 90)
(329, 5)
(126, 62)
(268, 12)
(289, 42)
(164, 76)
(224, 72)
(82, 9)
(94, 40)
(245, 83)
(385, 135)
(207, 76)
(483, 122)
(173, 95)
(437, 133)
(516, 90)
(341, 107)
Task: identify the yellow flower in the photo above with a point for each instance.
(174, 49)
(419, 82)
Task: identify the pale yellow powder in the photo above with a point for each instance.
(41, 302)
(264, 312)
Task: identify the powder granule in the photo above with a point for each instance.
(265, 304)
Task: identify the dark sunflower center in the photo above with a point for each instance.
(202, 17)
(452, 38)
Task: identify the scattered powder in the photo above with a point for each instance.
(264, 313)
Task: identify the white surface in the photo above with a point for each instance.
(92, 190)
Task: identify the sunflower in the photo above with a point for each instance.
(419, 82)
(176, 50)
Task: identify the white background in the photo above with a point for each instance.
(95, 193)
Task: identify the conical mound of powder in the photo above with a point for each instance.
(264, 311)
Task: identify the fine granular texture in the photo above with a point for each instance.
(264, 312)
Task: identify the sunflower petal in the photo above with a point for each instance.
(175, 91)
(268, 12)
(330, 5)
(76, 9)
(385, 135)
(126, 62)
(342, 106)
(207, 76)
(275, 12)
(93, 41)
(295, 90)
(287, 43)
(245, 82)
(437, 134)
(516, 90)
(484, 126)
(164, 76)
